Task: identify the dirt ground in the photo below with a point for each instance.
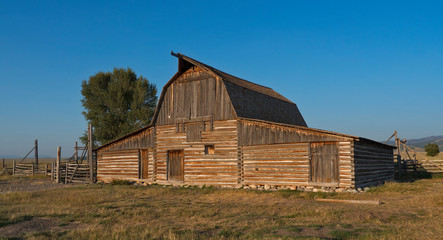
(42, 226)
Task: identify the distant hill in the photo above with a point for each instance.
(21, 157)
(421, 142)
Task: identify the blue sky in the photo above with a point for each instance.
(361, 68)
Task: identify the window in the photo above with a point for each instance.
(194, 132)
(209, 149)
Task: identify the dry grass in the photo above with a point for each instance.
(438, 157)
(412, 210)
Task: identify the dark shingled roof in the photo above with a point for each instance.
(254, 101)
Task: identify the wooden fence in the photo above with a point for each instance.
(29, 169)
(69, 172)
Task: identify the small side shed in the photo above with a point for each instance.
(212, 128)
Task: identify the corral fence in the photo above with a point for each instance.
(70, 172)
(74, 170)
(405, 159)
(29, 169)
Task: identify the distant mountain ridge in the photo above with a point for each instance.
(421, 142)
(21, 157)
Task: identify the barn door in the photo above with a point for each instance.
(324, 162)
(175, 165)
(144, 163)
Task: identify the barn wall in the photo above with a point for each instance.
(346, 164)
(220, 168)
(374, 164)
(195, 93)
(142, 140)
(118, 165)
(254, 133)
(289, 165)
(276, 164)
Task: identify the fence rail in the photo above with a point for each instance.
(29, 169)
(70, 172)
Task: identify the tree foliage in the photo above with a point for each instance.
(432, 149)
(117, 103)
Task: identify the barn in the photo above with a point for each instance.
(212, 128)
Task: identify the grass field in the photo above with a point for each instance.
(438, 157)
(411, 210)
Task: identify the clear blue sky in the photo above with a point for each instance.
(361, 68)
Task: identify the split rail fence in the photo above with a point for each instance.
(29, 169)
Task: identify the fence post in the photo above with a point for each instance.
(13, 167)
(76, 152)
(36, 152)
(58, 163)
(46, 170)
(66, 173)
(90, 143)
(3, 165)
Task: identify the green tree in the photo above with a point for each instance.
(432, 149)
(117, 103)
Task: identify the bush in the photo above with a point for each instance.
(121, 182)
(432, 149)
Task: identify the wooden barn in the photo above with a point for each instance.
(212, 128)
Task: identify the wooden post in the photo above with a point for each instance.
(36, 152)
(90, 142)
(76, 153)
(3, 165)
(66, 173)
(58, 163)
(52, 171)
(397, 143)
(46, 170)
(13, 167)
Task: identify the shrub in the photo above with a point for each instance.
(432, 149)
(121, 182)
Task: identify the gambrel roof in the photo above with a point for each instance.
(248, 99)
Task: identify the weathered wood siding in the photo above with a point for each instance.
(220, 168)
(255, 133)
(142, 140)
(374, 163)
(118, 165)
(289, 165)
(346, 164)
(276, 164)
(196, 93)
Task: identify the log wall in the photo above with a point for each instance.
(374, 164)
(118, 165)
(276, 164)
(289, 165)
(219, 168)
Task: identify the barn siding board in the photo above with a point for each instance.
(276, 164)
(118, 165)
(374, 164)
(144, 139)
(184, 98)
(256, 133)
